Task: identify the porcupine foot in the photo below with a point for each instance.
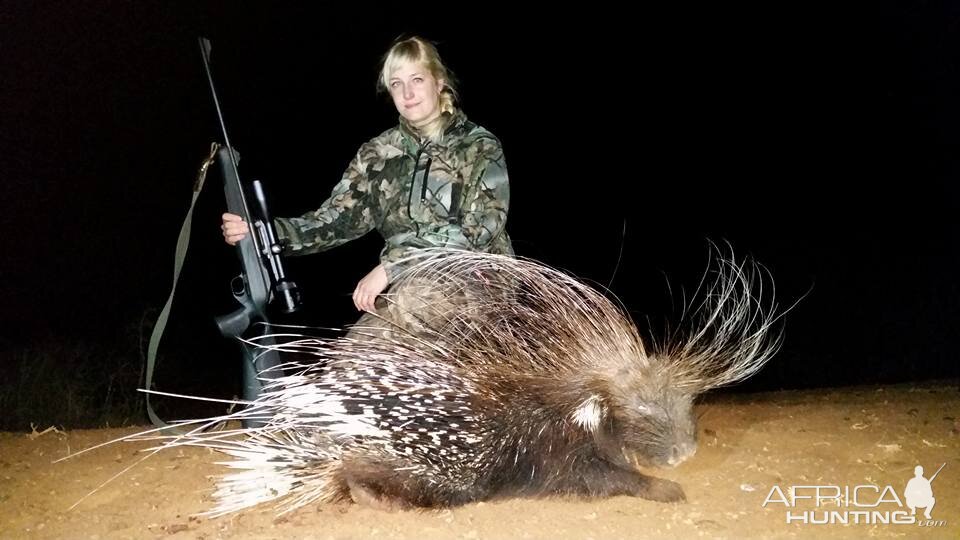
(390, 496)
(607, 482)
(367, 495)
(383, 487)
(661, 490)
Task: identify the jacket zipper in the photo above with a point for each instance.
(423, 187)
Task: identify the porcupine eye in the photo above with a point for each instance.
(644, 409)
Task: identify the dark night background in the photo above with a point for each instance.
(819, 138)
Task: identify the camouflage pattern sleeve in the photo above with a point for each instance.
(482, 215)
(347, 214)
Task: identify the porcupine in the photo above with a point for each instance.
(526, 382)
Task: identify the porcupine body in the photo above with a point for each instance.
(510, 379)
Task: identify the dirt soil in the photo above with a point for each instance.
(750, 445)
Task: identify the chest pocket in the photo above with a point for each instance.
(435, 192)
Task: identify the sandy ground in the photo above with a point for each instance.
(749, 445)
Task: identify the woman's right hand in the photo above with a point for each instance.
(234, 228)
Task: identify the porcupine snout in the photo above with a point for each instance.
(683, 432)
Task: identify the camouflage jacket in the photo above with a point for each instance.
(452, 193)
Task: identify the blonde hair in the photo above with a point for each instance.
(420, 51)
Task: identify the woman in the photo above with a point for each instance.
(436, 179)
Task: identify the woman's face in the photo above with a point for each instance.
(416, 94)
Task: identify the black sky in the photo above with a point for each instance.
(820, 138)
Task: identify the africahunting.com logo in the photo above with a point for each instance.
(866, 504)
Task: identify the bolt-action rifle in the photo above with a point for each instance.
(262, 281)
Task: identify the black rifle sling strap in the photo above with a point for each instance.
(182, 243)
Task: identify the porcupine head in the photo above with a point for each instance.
(638, 402)
(638, 416)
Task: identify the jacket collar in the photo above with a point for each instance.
(412, 137)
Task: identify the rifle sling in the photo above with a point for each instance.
(182, 243)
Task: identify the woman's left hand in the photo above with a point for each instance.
(365, 295)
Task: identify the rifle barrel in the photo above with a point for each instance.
(938, 472)
(205, 49)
